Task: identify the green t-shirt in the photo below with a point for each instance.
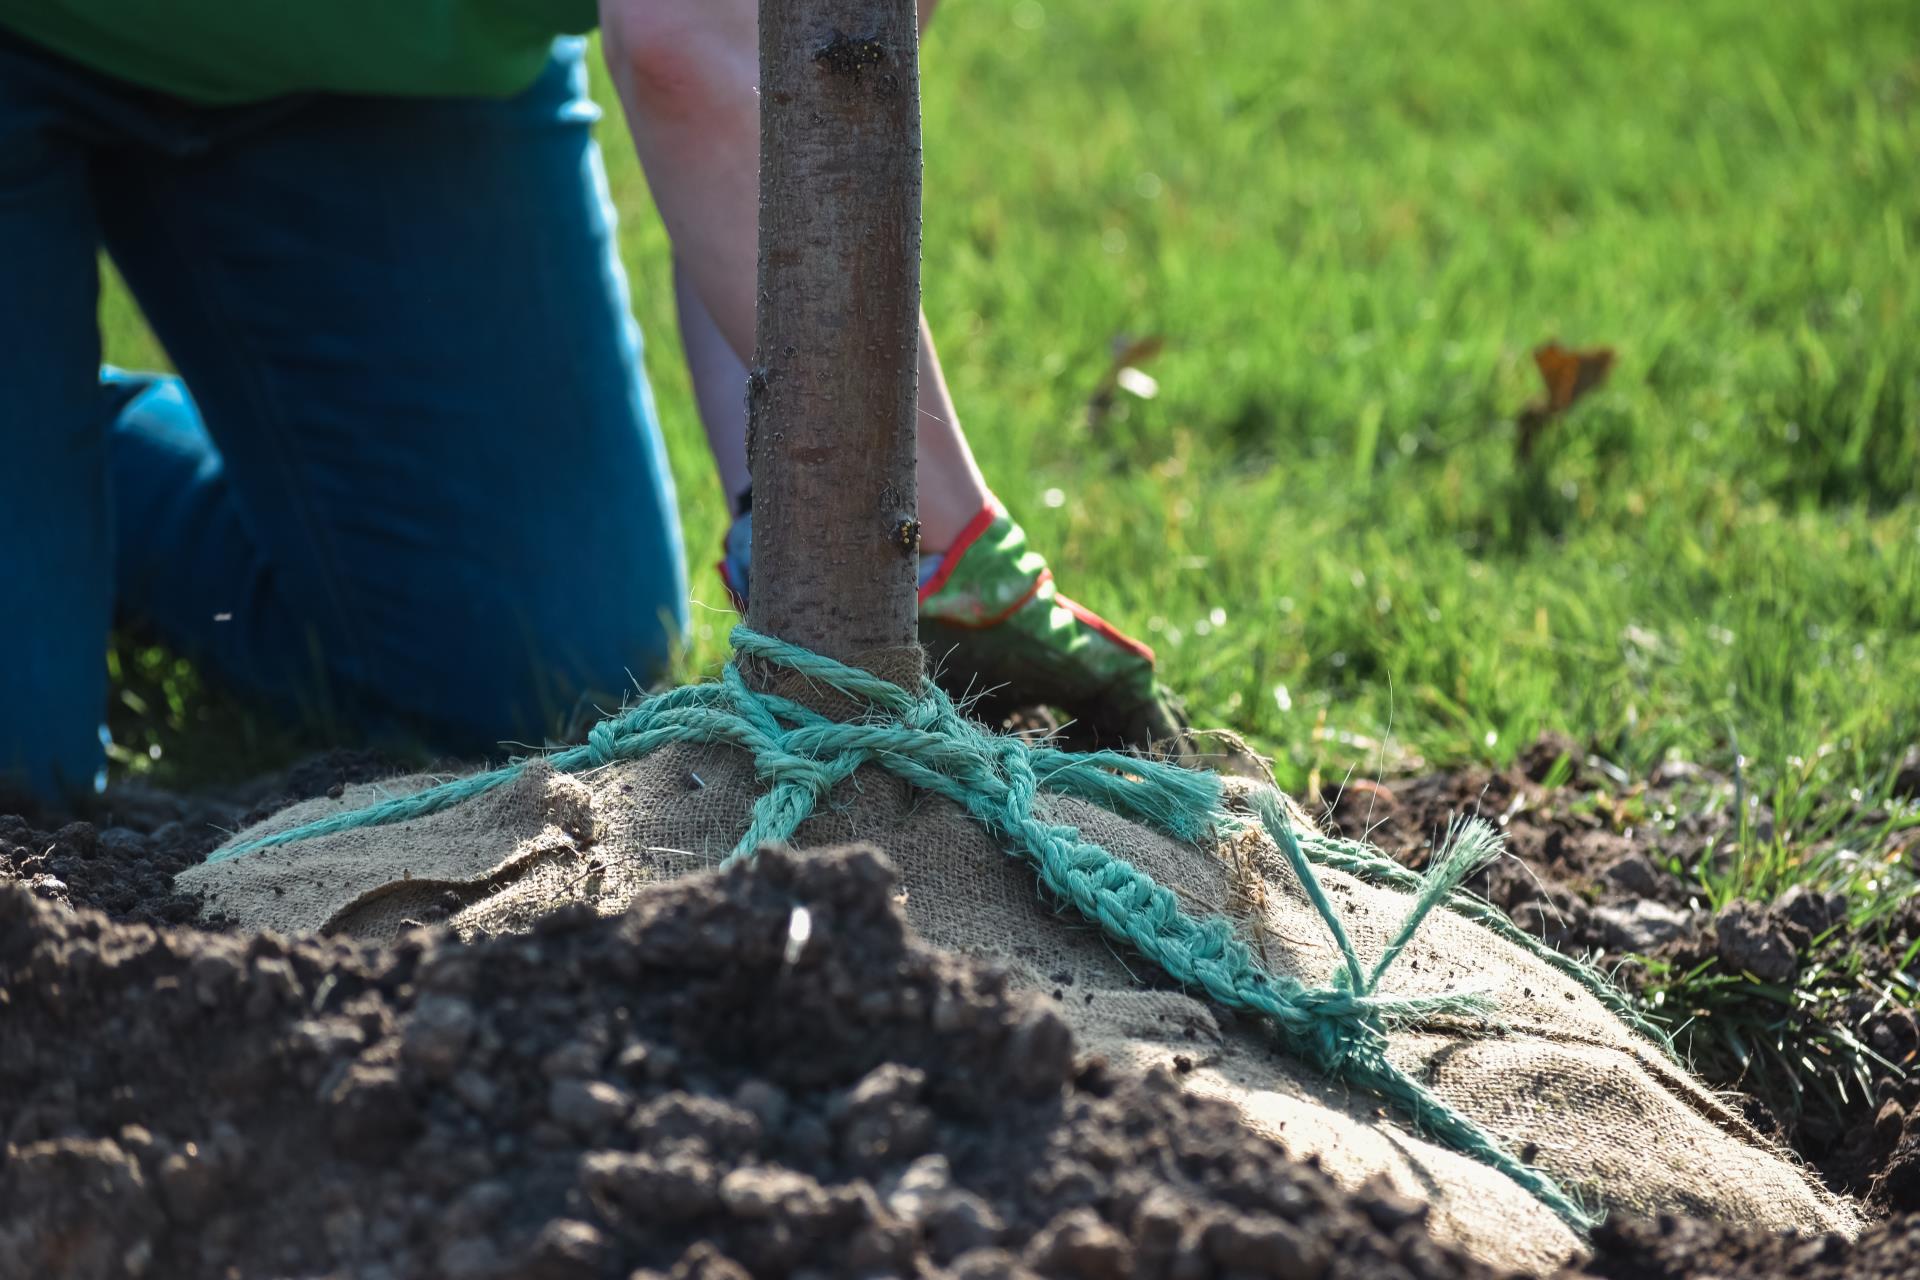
(229, 51)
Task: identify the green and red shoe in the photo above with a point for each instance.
(999, 633)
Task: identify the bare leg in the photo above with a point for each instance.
(952, 490)
(686, 71)
(719, 387)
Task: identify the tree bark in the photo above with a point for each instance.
(831, 396)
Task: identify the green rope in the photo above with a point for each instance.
(1340, 1027)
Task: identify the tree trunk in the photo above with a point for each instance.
(831, 397)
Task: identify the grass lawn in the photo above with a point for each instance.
(1350, 222)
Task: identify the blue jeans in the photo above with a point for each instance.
(410, 475)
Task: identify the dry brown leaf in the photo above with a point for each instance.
(1568, 374)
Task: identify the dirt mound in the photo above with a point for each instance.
(759, 1072)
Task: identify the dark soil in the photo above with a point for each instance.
(1592, 873)
(687, 1091)
(1683, 1249)
(700, 1088)
(122, 861)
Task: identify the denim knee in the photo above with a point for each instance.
(525, 658)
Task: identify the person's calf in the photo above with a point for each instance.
(687, 72)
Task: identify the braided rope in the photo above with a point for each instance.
(1340, 1027)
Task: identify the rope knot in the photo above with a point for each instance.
(1340, 1024)
(817, 774)
(603, 741)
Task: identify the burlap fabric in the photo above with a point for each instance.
(1557, 1076)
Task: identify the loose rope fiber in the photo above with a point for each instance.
(1364, 862)
(1340, 1027)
